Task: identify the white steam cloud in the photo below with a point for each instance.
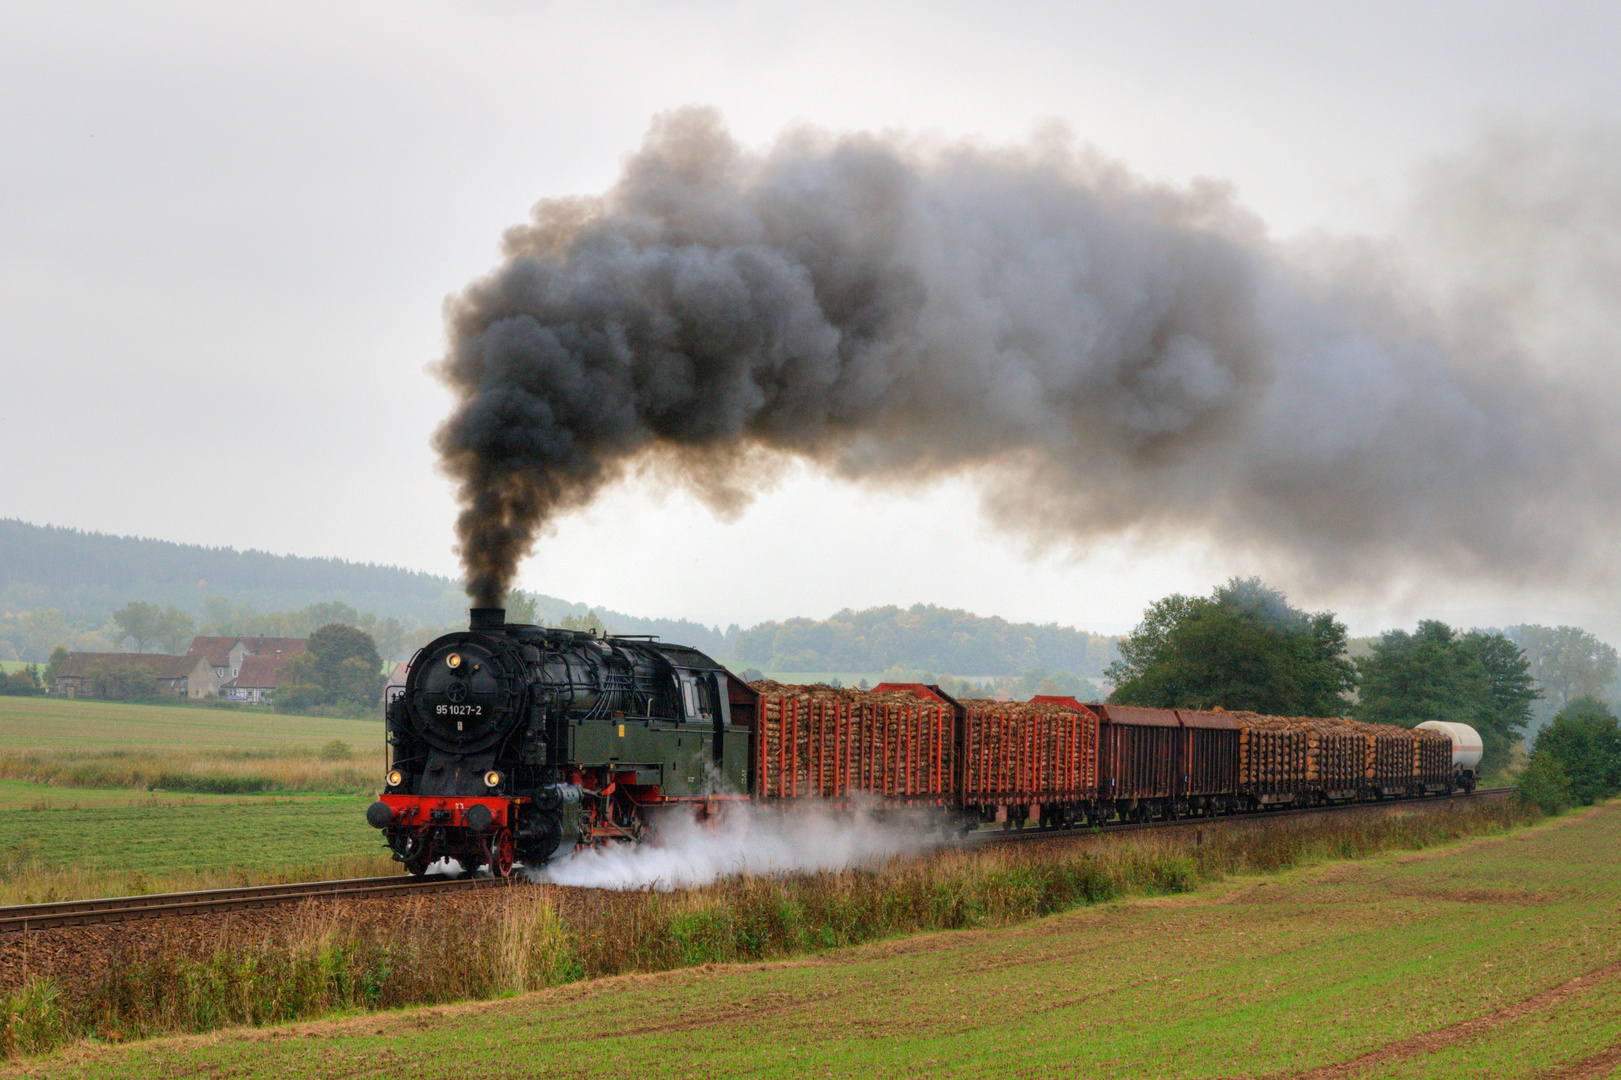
(747, 840)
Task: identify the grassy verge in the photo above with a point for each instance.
(537, 938)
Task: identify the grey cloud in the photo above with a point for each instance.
(1109, 354)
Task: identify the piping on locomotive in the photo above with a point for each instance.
(512, 742)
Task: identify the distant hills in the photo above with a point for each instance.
(87, 576)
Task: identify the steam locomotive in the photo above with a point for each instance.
(510, 743)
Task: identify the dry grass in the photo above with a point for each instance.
(219, 771)
(29, 882)
(434, 952)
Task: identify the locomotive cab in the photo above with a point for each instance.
(510, 743)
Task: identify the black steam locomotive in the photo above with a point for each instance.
(511, 742)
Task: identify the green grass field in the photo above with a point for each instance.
(189, 835)
(1497, 957)
(102, 797)
(41, 722)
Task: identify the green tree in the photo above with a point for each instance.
(1544, 784)
(1586, 741)
(1567, 663)
(522, 608)
(1243, 647)
(59, 656)
(339, 667)
(218, 616)
(1052, 684)
(1435, 673)
(172, 629)
(588, 622)
(137, 622)
(389, 634)
(121, 680)
(1510, 688)
(22, 682)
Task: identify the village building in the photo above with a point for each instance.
(82, 674)
(227, 653)
(257, 678)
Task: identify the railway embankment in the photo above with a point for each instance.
(149, 977)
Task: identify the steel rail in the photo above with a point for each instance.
(64, 913)
(1018, 835)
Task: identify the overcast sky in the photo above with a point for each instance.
(226, 235)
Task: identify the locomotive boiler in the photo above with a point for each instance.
(512, 742)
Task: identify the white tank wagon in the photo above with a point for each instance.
(1466, 748)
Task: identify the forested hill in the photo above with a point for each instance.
(88, 576)
(922, 636)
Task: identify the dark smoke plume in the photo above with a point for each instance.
(1104, 353)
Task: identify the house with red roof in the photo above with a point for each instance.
(85, 674)
(257, 678)
(227, 653)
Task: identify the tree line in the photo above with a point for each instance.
(1244, 647)
(141, 627)
(922, 636)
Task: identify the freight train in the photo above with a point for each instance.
(511, 743)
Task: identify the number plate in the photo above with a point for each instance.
(458, 710)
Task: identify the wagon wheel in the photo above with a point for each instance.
(500, 852)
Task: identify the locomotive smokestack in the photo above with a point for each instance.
(1105, 355)
(486, 618)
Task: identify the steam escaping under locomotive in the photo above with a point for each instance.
(511, 743)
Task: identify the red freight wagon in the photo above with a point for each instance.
(1210, 757)
(1030, 753)
(1139, 757)
(1033, 760)
(827, 742)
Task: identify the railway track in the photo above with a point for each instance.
(160, 905)
(70, 913)
(1010, 836)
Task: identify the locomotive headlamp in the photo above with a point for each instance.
(454, 660)
(395, 778)
(492, 778)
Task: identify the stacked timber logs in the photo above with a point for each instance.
(828, 742)
(1279, 754)
(1273, 754)
(1432, 754)
(1017, 750)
